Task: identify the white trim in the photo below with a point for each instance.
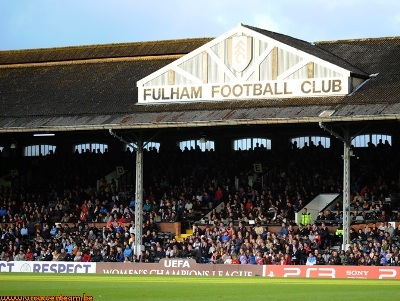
(297, 52)
(292, 70)
(221, 64)
(187, 75)
(189, 56)
(249, 32)
(258, 61)
(359, 86)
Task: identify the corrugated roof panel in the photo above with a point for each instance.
(368, 110)
(374, 55)
(310, 49)
(200, 118)
(157, 48)
(103, 93)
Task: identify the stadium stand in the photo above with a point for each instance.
(67, 204)
(44, 220)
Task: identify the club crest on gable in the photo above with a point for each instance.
(240, 53)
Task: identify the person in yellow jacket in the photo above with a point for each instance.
(306, 218)
(339, 234)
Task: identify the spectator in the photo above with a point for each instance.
(334, 259)
(319, 259)
(47, 255)
(306, 218)
(119, 257)
(243, 257)
(62, 255)
(20, 256)
(311, 259)
(321, 217)
(329, 216)
(233, 259)
(29, 254)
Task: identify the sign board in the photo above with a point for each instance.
(189, 267)
(245, 90)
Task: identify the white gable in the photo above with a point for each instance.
(243, 64)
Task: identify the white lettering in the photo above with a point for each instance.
(387, 273)
(321, 272)
(295, 272)
(176, 263)
(356, 273)
(245, 90)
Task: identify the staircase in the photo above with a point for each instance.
(188, 232)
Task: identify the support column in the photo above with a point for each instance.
(346, 191)
(139, 198)
(346, 139)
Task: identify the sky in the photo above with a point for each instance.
(27, 24)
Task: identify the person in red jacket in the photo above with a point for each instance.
(235, 259)
(86, 256)
(29, 254)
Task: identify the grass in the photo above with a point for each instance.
(181, 288)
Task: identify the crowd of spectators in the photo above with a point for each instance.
(52, 222)
(374, 244)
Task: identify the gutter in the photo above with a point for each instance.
(164, 125)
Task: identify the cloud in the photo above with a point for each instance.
(50, 23)
(397, 19)
(336, 4)
(267, 22)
